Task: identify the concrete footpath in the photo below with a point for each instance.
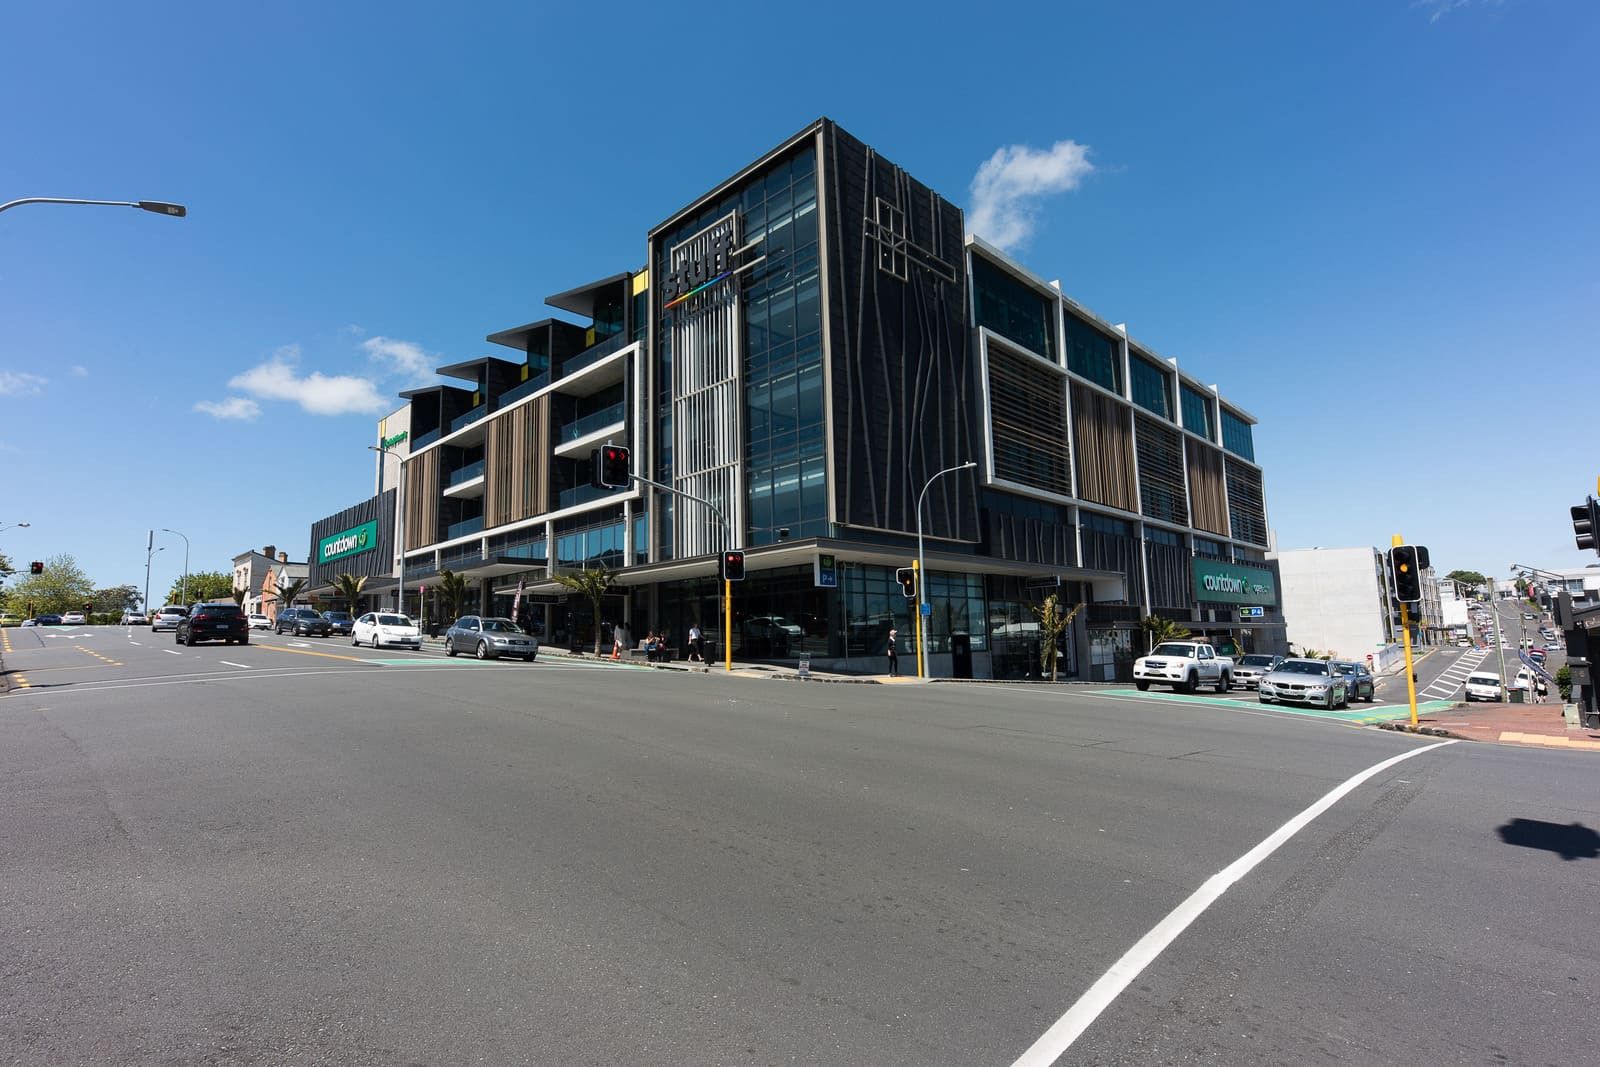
(1544, 725)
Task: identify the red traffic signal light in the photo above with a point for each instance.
(610, 467)
(36, 567)
(733, 566)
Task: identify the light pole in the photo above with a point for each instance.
(400, 530)
(922, 567)
(149, 551)
(157, 206)
(14, 526)
(185, 564)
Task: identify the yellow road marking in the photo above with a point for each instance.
(308, 652)
(22, 683)
(97, 655)
(85, 667)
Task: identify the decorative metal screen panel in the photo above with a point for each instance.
(1104, 437)
(1207, 499)
(707, 409)
(1028, 422)
(1162, 494)
(1246, 510)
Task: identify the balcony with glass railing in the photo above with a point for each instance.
(582, 494)
(527, 388)
(595, 353)
(465, 474)
(464, 527)
(424, 439)
(589, 424)
(467, 418)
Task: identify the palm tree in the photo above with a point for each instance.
(594, 583)
(452, 592)
(1052, 624)
(289, 592)
(1158, 629)
(349, 586)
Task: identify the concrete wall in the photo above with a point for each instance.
(1331, 600)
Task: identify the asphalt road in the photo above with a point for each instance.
(297, 852)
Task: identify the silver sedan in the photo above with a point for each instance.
(489, 638)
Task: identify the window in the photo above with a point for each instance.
(1151, 388)
(1093, 355)
(1197, 413)
(1013, 310)
(1028, 422)
(1236, 435)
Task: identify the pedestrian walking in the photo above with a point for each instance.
(1542, 690)
(894, 653)
(694, 644)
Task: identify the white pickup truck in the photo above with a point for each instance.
(1184, 665)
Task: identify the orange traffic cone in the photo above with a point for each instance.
(616, 650)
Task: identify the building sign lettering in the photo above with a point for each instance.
(1233, 583)
(349, 542)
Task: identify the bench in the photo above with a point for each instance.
(664, 654)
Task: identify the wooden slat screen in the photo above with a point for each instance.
(1161, 491)
(1103, 434)
(1246, 509)
(517, 465)
(422, 499)
(1207, 501)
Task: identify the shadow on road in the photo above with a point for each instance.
(1574, 842)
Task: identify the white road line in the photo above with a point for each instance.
(172, 652)
(1098, 997)
(230, 663)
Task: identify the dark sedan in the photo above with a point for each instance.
(302, 622)
(339, 623)
(47, 620)
(1358, 680)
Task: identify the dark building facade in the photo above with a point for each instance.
(817, 366)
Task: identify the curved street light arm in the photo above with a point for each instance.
(159, 207)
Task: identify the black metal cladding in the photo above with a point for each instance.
(903, 389)
(377, 562)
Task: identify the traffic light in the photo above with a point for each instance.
(907, 577)
(1586, 524)
(733, 566)
(36, 567)
(1407, 575)
(610, 468)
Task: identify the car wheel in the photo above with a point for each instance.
(1141, 686)
(529, 657)
(355, 641)
(1187, 685)
(1225, 683)
(483, 650)
(188, 639)
(449, 647)
(177, 638)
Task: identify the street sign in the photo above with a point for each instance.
(825, 572)
(927, 609)
(1252, 613)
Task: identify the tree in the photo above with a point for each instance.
(62, 587)
(204, 586)
(290, 591)
(593, 583)
(452, 592)
(118, 598)
(1158, 629)
(1052, 624)
(348, 586)
(1471, 579)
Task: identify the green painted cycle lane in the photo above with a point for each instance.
(1362, 715)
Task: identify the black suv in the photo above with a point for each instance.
(213, 622)
(302, 622)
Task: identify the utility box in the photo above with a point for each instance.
(1517, 696)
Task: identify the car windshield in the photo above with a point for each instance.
(1347, 668)
(501, 626)
(1256, 661)
(393, 620)
(1303, 667)
(1173, 650)
(340, 615)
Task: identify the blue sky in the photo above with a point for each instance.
(1372, 222)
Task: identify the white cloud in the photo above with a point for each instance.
(406, 358)
(235, 407)
(1438, 9)
(316, 393)
(79, 371)
(1007, 187)
(20, 383)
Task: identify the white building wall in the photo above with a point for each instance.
(1331, 600)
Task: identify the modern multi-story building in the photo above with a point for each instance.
(816, 365)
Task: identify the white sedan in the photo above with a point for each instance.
(258, 621)
(380, 628)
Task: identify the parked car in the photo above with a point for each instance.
(47, 620)
(1305, 681)
(134, 618)
(258, 621)
(1357, 679)
(8, 619)
(1248, 670)
(167, 618)
(384, 628)
(1523, 680)
(1481, 685)
(206, 621)
(488, 638)
(340, 623)
(302, 622)
(74, 618)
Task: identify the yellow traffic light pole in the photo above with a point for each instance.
(727, 624)
(916, 574)
(1405, 637)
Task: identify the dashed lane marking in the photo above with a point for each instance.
(230, 663)
(98, 656)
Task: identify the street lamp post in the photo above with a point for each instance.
(14, 526)
(922, 567)
(185, 563)
(149, 551)
(400, 530)
(159, 207)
